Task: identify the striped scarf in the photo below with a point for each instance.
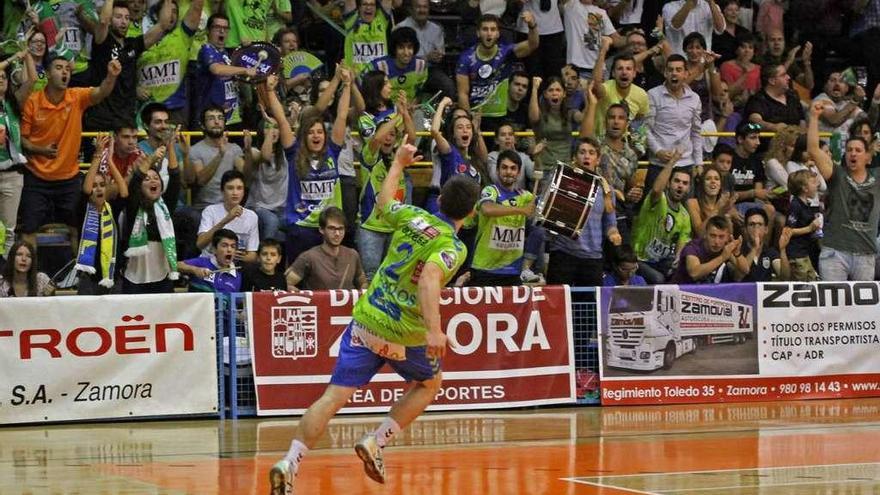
(138, 243)
(98, 231)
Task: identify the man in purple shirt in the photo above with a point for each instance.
(215, 273)
(705, 261)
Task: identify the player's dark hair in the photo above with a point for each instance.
(458, 197)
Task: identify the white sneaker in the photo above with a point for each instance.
(281, 478)
(529, 277)
(369, 452)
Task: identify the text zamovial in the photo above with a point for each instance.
(294, 331)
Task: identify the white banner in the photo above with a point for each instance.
(826, 328)
(95, 357)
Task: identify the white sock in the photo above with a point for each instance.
(295, 455)
(386, 431)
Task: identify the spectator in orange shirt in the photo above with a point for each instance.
(51, 128)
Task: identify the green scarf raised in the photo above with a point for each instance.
(138, 244)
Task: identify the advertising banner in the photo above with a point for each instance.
(508, 347)
(739, 342)
(97, 357)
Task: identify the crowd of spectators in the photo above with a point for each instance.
(277, 189)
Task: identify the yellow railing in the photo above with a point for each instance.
(191, 134)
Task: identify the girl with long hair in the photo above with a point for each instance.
(702, 77)
(20, 277)
(779, 153)
(152, 247)
(709, 200)
(466, 154)
(551, 120)
(313, 163)
(382, 127)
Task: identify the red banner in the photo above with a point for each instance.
(509, 347)
(747, 389)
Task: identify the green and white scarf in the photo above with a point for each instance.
(138, 244)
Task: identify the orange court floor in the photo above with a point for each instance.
(803, 447)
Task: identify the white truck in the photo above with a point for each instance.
(649, 328)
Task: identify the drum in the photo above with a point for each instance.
(566, 203)
(263, 56)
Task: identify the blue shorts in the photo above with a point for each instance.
(356, 364)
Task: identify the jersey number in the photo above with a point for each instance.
(377, 298)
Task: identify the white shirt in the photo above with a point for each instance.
(674, 123)
(245, 227)
(430, 37)
(843, 128)
(549, 22)
(496, 7)
(699, 19)
(631, 14)
(583, 44)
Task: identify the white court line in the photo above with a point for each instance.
(733, 470)
(764, 485)
(602, 485)
(713, 488)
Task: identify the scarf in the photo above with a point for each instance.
(138, 244)
(98, 227)
(13, 132)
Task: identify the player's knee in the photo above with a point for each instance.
(336, 397)
(433, 384)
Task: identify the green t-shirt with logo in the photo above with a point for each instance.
(365, 42)
(659, 231)
(501, 240)
(247, 21)
(162, 68)
(390, 308)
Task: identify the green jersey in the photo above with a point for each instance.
(390, 308)
(247, 21)
(375, 164)
(274, 22)
(410, 79)
(162, 68)
(364, 41)
(660, 231)
(135, 29)
(501, 240)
